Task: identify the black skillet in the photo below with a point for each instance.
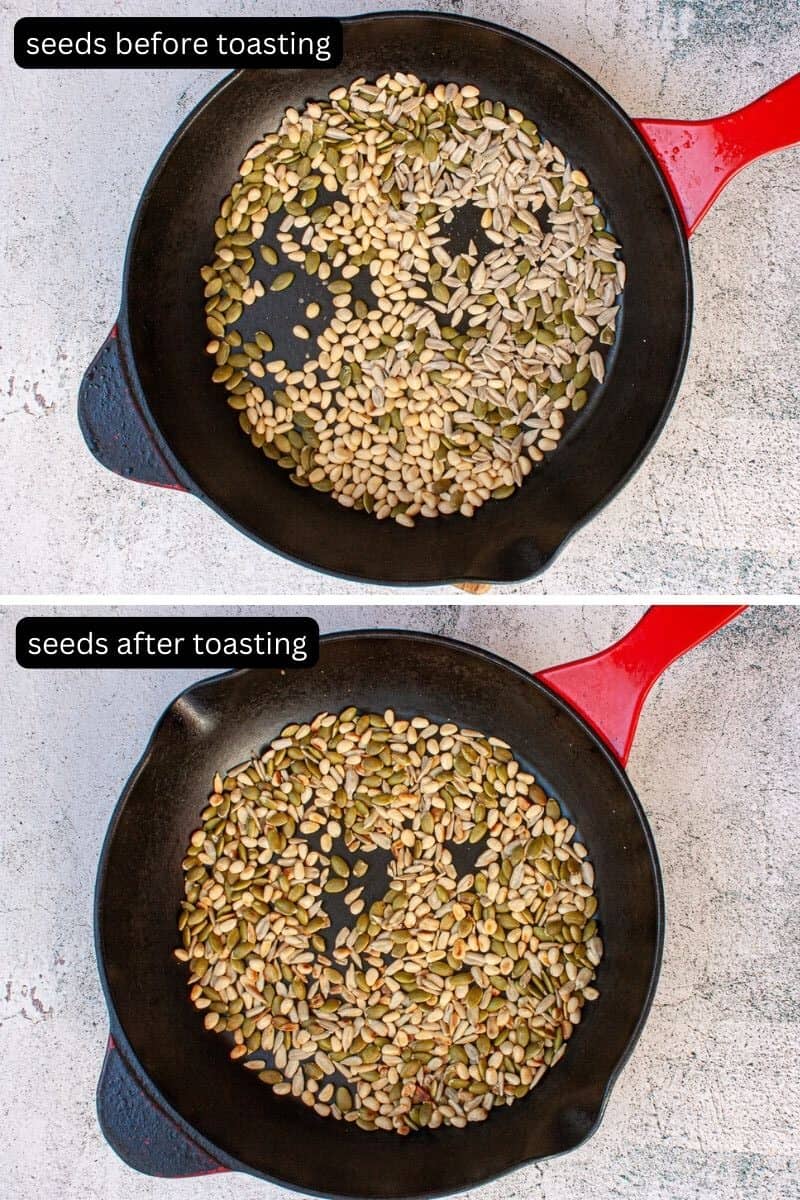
(171, 1102)
(148, 409)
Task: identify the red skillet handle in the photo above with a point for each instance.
(112, 425)
(699, 157)
(141, 1134)
(608, 689)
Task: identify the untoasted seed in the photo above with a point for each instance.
(457, 373)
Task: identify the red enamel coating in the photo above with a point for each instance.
(608, 689)
(699, 157)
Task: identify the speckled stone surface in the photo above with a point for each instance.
(705, 1108)
(713, 509)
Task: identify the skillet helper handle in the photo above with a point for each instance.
(112, 425)
(608, 689)
(699, 157)
(139, 1131)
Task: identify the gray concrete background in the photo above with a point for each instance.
(707, 1107)
(714, 508)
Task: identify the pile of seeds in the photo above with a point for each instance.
(448, 994)
(440, 390)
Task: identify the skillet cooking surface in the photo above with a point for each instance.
(163, 323)
(239, 1121)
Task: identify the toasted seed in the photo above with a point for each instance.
(335, 885)
(520, 964)
(339, 865)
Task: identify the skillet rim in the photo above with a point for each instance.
(120, 1038)
(139, 397)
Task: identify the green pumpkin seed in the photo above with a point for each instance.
(281, 282)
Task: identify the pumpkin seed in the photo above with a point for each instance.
(281, 282)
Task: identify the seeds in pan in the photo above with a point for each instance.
(331, 938)
(443, 388)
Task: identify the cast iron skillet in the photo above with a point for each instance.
(148, 408)
(172, 1103)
